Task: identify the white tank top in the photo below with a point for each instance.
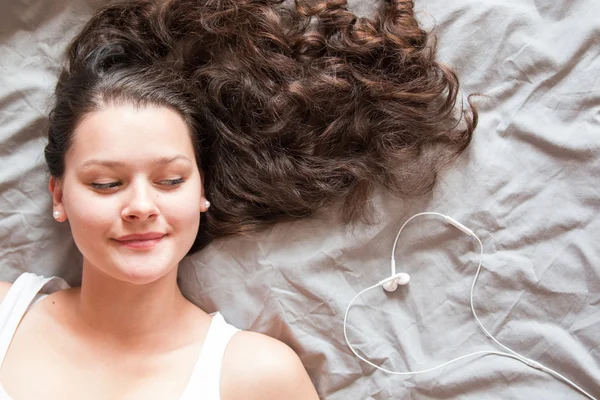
(29, 288)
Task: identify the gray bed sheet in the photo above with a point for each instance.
(528, 186)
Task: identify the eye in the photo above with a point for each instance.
(109, 185)
(172, 182)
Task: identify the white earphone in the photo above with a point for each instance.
(399, 279)
(402, 278)
(390, 284)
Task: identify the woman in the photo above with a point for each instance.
(134, 202)
(162, 105)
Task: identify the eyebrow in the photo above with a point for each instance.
(117, 164)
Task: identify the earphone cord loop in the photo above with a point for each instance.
(511, 353)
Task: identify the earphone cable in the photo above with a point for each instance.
(511, 353)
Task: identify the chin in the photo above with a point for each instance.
(140, 277)
(143, 273)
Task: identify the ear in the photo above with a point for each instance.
(55, 188)
(203, 208)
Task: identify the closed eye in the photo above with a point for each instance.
(172, 182)
(109, 185)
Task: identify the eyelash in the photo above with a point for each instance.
(173, 182)
(104, 185)
(111, 185)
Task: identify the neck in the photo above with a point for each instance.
(126, 313)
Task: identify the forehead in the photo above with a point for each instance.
(127, 132)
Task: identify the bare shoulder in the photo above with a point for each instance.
(4, 287)
(256, 366)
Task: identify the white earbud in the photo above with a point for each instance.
(400, 279)
(395, 279)
(390, 284)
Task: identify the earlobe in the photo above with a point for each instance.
(55, 188)
(205, 204)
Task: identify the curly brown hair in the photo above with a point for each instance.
(291, 108)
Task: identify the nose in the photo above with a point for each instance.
(140, 205)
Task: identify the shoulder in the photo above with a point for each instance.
(256, 366)
(4, 287)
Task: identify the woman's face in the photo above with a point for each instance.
(132, 191)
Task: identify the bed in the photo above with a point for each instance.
(529, 186)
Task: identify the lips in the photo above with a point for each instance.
(141, 236)
(141, 240)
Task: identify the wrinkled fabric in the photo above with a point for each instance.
(528, 186)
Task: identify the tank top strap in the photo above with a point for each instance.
(16, 303)
(206, 376)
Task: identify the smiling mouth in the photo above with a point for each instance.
(141, 244)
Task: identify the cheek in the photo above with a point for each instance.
(181, 207)
(89, 215)
(183, 210)
(90, 220)
(88, 212)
